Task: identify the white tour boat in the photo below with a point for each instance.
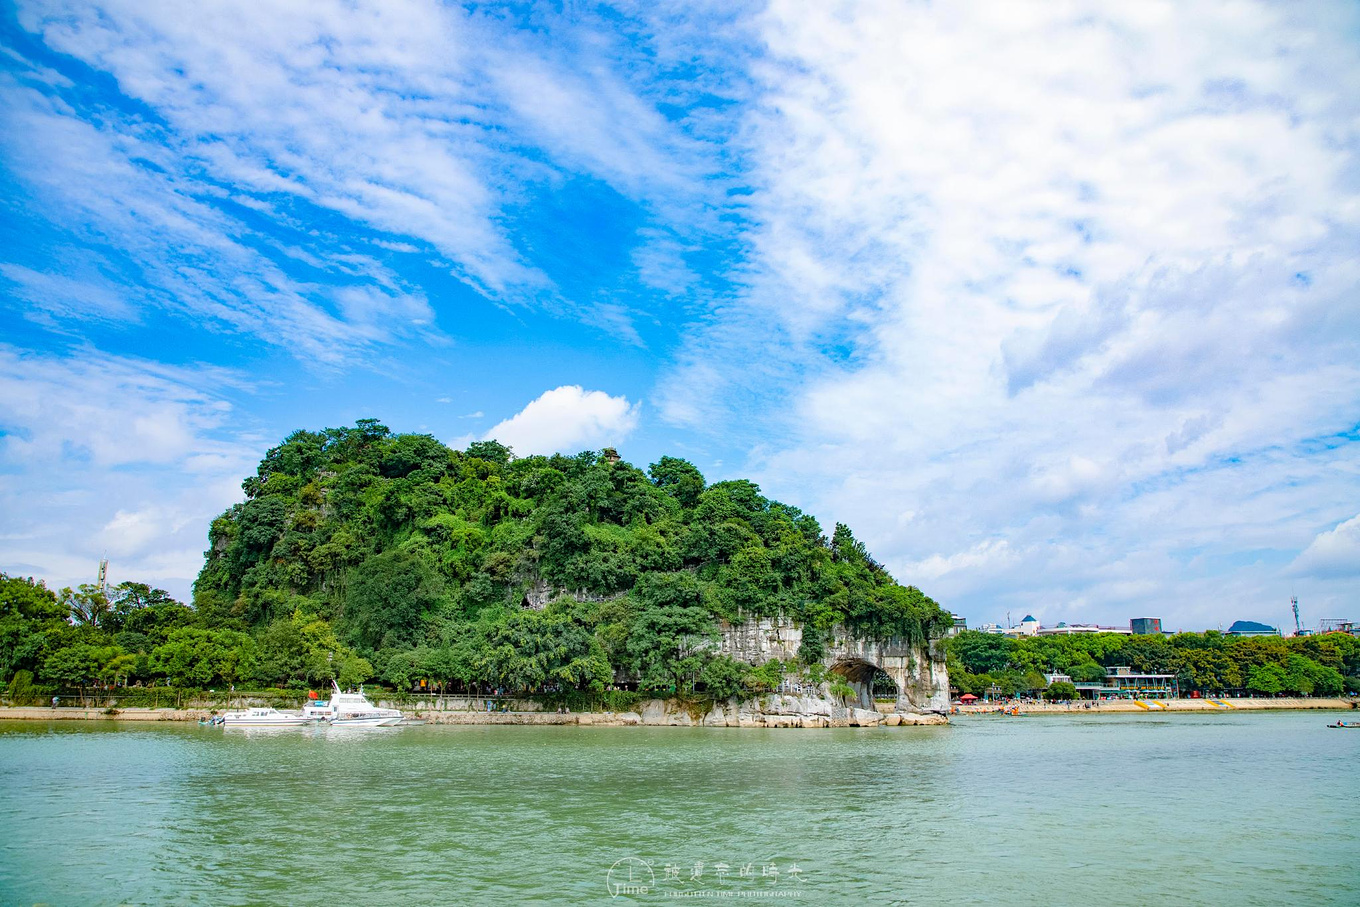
(263, 717)
(354, 710)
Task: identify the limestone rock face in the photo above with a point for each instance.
(541, 593)
(865, 717)
(929, 718)
(918, 670)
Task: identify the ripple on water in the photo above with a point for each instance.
(1054, 809)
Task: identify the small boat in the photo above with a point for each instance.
(354, 710)
(263, 717)
(1353, 727)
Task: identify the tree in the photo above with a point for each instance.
(129, 598)
(78, 665)
(490, 451)
(303, 649)
(29, 599)
(672, 634)
(1033, 680)
(389, 596)
(679, 479)
(982, 653)
(1087, 672)
(1268, 678)
(724, 677)
(1061, 691)
(88, 605)
(194, 657)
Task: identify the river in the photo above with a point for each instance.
(1090, 810)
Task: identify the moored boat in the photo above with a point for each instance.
(263, 717)
(354, 710)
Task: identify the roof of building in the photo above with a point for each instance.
(1029, 617)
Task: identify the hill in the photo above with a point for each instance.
(476, 567)
(359, 554)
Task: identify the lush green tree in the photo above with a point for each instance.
(198, 658)
(982, 653)
(29, 599)
(389, 597)
(78, 665)
(88, 605)
(128, 601)
(723, 677)
(679, 479)
(1267, 678)
(1087, 672)
(30, 616)
(1061, 691)
(303, 650)
(672, 634)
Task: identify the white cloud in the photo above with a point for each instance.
(107, 455)
(1073, 282)
(567, 420)
(1334, 553)
(419, 120)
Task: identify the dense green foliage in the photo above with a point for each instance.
(1211, 662)
(360, 554)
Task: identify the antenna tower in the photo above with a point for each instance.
(1298, 625)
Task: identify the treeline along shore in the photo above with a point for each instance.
(1205, 665)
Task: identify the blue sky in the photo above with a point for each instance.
(1055, 304)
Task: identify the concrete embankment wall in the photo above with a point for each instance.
(772, 711)
(25, 713)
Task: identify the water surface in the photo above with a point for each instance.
(1184, 809)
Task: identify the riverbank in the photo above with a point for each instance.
(1146, 706)
(652, 713)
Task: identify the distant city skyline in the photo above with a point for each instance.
(1056, 306)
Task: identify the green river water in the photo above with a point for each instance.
(1084, 810)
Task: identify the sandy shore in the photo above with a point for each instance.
(1144, 707)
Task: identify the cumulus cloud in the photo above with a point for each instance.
(1334, 553)
(568, 419)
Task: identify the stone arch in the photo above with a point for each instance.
(864, 675)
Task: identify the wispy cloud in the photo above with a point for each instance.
(421, 125)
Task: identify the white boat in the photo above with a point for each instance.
(354, 710)
(263, 717)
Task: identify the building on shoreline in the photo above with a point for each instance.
(1123, 682)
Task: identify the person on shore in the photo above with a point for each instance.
(55, 701)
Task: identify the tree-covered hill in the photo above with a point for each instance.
(422, 560)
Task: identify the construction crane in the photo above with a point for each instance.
(1298, 625)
